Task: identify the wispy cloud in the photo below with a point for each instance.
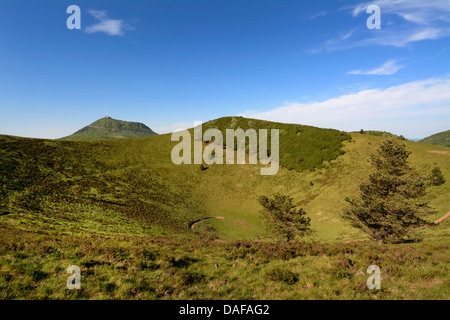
(417, 11)
(331, 44)
(420, 20)
(412, 99)
(387, 68)
(405, 36)
(318, 15)
(403, 22)
(107, 25)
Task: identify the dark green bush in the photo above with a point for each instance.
(436, 178)
(283, 275)
(189, 278)
(341, 273)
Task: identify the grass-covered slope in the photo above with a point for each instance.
(109, 128)
(379, 133)
(301, 147)
(100, 184)
(120, 209)
(440, 139)
(85, 183)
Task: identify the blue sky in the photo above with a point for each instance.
(169, 63)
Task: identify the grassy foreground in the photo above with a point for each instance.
(32, 266)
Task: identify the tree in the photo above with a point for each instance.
(385, 209)
(436, 178)
(283, 218)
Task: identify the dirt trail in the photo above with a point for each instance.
(446, 153)
(445, 216)
(192, 224)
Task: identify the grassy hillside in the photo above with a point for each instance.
(379, 133)
(121, 210)
(440, 139)
(135, 178)
(301, 147)
(73, 179)
(109, 128)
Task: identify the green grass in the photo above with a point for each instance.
(121, 210)
(32, 266)
(301, 147)
(441, 139)
(135, 179)
(379, 133)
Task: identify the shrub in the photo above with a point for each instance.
(282, 275)
(189, 278)
(436, 178)
(283, 218)
(341, 273)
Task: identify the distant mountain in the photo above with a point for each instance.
(440, 139)
(109, 128)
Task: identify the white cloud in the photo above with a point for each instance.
(412, 99)
(317, 15)
(388, 68)
(423, 20)
(428, 33)
(174, 127)
(405, 36)
(417, 20)
(331, 44)
(417, 11)
(106, 25)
